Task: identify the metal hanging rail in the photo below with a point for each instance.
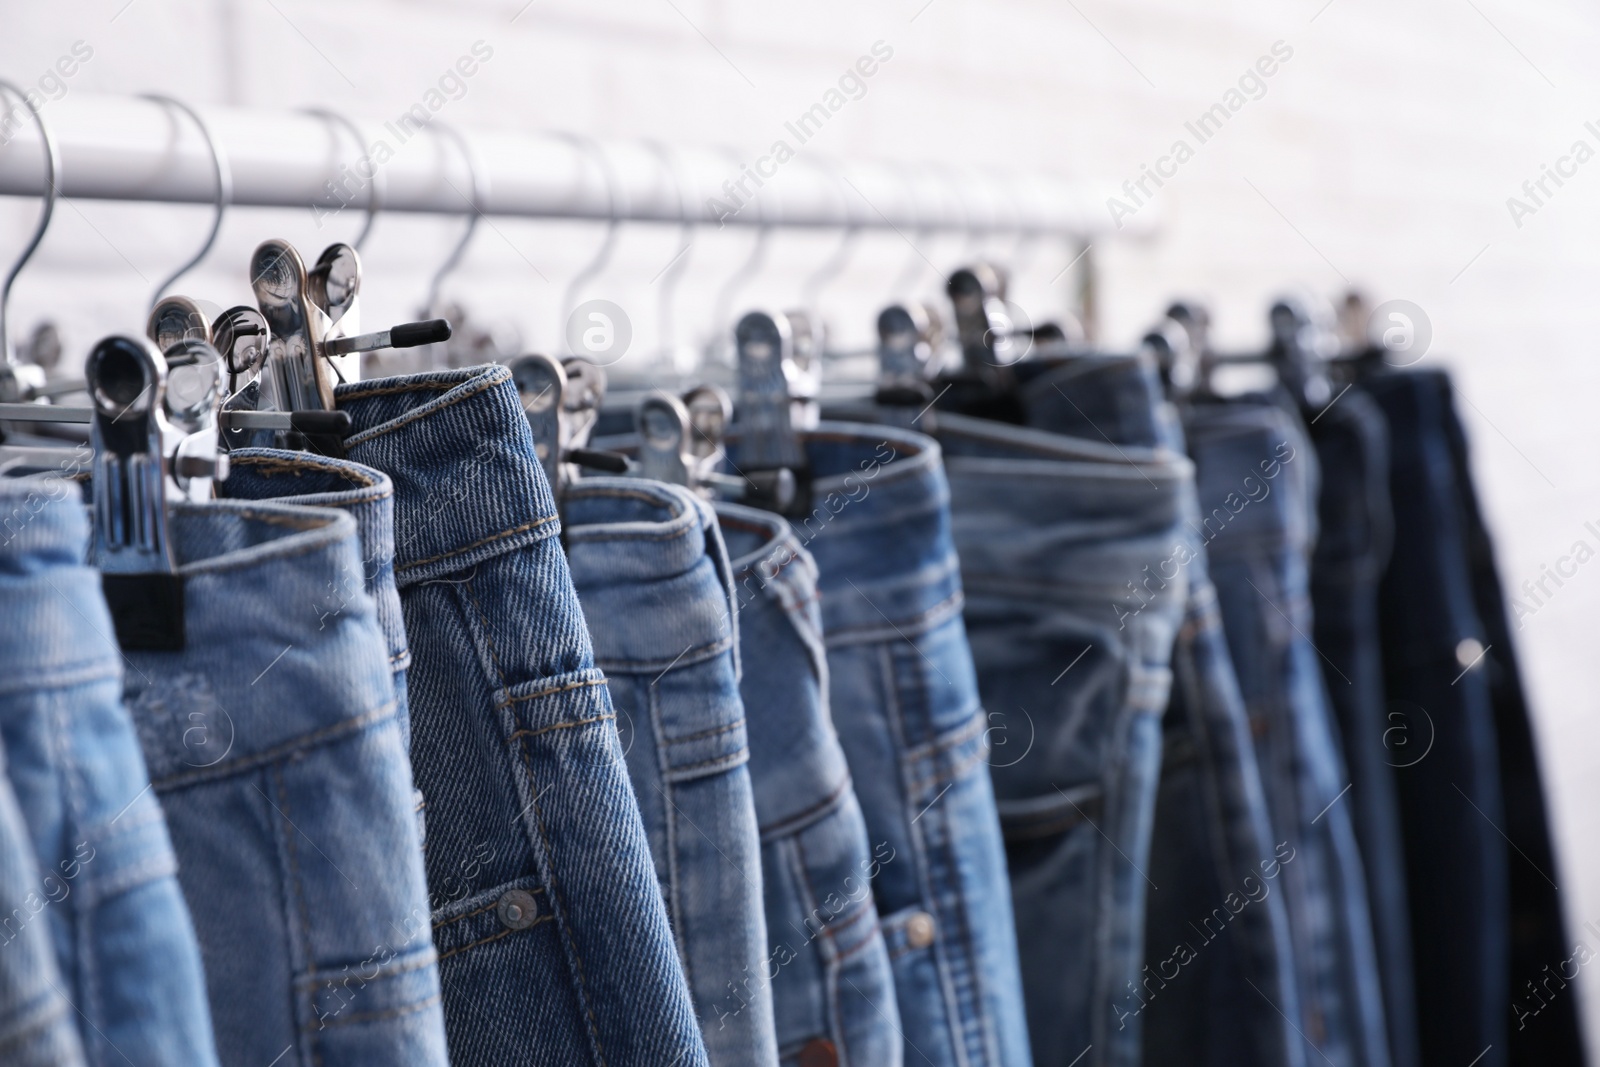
(133, 148)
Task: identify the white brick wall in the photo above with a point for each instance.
(1389, 144)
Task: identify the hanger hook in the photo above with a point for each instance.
(480, 193)
(52, 167)
(673, 273)
(608, 245)
(968, 227)
(223, 177)
(722, 308)
(833, 266)
(375, 184)
(916, 261)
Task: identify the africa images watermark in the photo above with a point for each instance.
(1211, 927)
(836, 906)
(1536, 191)
(1536, 593)
(1252, 85)
(49, 86)
(852, 85)
(352, 181)
(1144, 593)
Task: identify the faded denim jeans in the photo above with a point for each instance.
(652, 574)
(126, 956)
(553, 939)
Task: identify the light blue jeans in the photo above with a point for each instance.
(905, 702)
(652, 574)
(827, 965)
(109, 898)
(275, 746)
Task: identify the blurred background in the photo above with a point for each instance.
(1388, 150)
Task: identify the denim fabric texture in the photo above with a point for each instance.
(126, 956)
(37, 1025)
(828, 965)
(553, 938)
(1217, 949)
(1544, 1028)
(1072, 628)
(274, 744)
(1258, 483)
(310, 480)
(1356, 531)
(1436, 681)
(905, 703)
(652, 575)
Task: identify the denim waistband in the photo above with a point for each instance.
(365, 494)
(880, 531)
(1034, 510)
(1114, 398)
(261, 581)
(634, 547)
(43, 529)
(1257, 477)
(458, 442)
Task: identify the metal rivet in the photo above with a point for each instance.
(919, 930)
(1469, 652)
(517, 909)
(819, 1052)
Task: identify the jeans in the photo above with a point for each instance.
(36, 1022)
(126, 956)
(274, 744)
(1257, 481)
(828, 967)
(310, 480)
(1547, 1029)
(552, 935)
(1444, 743)
(652, 574)
(1356, 528)
(1072, 629)
(1217, 949)
(905, 703)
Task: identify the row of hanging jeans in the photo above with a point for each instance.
(1061, 738)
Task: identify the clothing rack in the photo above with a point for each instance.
(139, 149)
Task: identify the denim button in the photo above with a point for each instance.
(517, 909)
(819, 1053)
(919, 930)
(1468, 652)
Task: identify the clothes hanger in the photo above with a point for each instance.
(675, 270)
(771, 457)
(480, 193)
(152, 444)
(18, 380)
(561, 408)
(222, 175)
(608, 244)
(722, 307)
(376, 184)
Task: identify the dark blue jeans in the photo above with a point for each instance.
(1444, 743)
(1257, 484)
(1072, 623)
(1218, 962)
(1539, 1034)
(905, 702)
(651, 571)
(1356, 531)
(828, 967)
(553, 939)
